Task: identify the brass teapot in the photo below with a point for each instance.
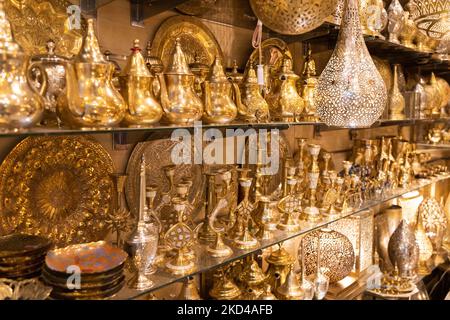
(254, 107)
(90, 99)
(284, 100)
(180, 103)
(21, 106)
(136, 81)
(54, 67)
(219, 106)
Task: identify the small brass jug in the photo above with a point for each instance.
(219, 106)
(284, 101)
(54, 67)
(136, 82)
(180, 103)
(90, 99)
(254, 107)
(21, 106)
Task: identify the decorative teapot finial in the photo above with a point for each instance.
(178, 63)
(90, 51)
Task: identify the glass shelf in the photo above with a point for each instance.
(49, 131)
(205, 262)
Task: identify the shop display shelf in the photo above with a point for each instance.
(205, 262)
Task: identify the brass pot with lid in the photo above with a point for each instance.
(136, 81)
(201, 71)
(219, 105)
(90, 99)
(180, 103)
(284, 101)
(254, 107)
(21, 106)
(54, 67)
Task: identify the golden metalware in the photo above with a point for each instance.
(308, 89)
(293, 17)
(384, 68)
(219, 105)
(254, 107)
(290, 208)
(155, 65)
(206, 234)
(196, 7)
(189, 290)
(373, 17)
(431, 16)
(267, 294)
(396, 101)
(279, 263)
(444, 89)
(31, 289)
(21, 105)
(284, 101)
(57, 186)
(90, 99)
(195, 39)
(33, 22)
(433, 99)
(243, 210)
(137, 88)
(422, 42)
(252, 275)
(235, 76)
(21, 245)
(408, 31)
(201, 71)
(223, 287)
(265, 218)
(178, 98)
(425, 248)
(311, 212)
(434, 221)
(163, 173)
(336, 254)
(403, 250)
(55, 70)
(291, 288)
(396, 17)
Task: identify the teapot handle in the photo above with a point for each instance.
(44, 84)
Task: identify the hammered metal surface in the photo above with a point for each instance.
(195, 38)
(34, 22)
(196, 7)
(292, 17)
(58, 187)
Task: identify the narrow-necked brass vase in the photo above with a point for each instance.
(180, 103)
(90, 99)
(219, 106)
(136, 81)
(308, 89)
(255, 108)
(20, 104)
(54, 67)
(396, 99)
(284, 100)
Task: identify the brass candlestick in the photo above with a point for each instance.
(218, 249)
(290, 207)
(243, 210)
(311, 212)
(206, 234)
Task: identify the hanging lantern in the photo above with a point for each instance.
(432, 17)
(350, 91)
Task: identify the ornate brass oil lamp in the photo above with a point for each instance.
(284, 101)
(136, 81)
(252, 275)
(178, 98)
(223, 287)
(219, 106)
(20, 105)
(90, 99)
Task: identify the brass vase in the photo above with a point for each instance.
(308, 89)
(136, 81)
(21, 106)
(218, 90)
(396, 100)
(178, 98)
(90, 99)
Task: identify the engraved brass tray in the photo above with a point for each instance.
(58, 187)
(195, 37)
(157, 156)
(34, 22)
(91, 258)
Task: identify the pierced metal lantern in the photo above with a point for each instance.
(350, 91)
(431, 16)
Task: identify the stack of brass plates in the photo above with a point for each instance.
(89, 271)
(22, 256)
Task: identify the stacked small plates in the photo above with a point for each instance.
(22, 256)
(89, 271)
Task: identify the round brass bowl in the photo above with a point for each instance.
(88, 295)
(19, 245)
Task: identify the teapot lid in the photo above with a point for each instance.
(136, 65)
(7, 44)
(50, 56)
(198, 67)
(217, 74)
(286, 69)
(178, 64)
(90, 50)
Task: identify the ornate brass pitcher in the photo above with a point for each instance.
(21, 105)
(284, 100)
(178, 98)
(255, 108)
(309, 89)
(136, 81)
(219, 106)
(90, 99)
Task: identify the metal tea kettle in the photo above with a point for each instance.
(180, 103)
(90, 99)
(21, 106)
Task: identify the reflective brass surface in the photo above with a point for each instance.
(196, 7)
(309, 88)
(396, 17)
(137, 88)
(90, 99)
(408, 31)
(254, 107)
(403, 250)
(396, 101)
